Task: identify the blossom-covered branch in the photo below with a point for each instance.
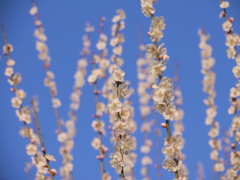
(99, 66)
(120, 130)
(47, 157)
(43, 55)
(163, 92)
(208, 87)
(232, 41)
(24, 113)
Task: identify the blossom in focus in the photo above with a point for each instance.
(123, 91)
(147, 8)
(156, 69)
(118, 75)
(114, 106)
(116, 161)
(170, 165)
(227, 26)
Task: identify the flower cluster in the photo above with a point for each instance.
(121, 127)
(162, 96)
(147, 7)
(66, 138)
(39, 160)
(116, 41)
(232, 41)
(163, 92)
(100, 65)
(172, 152)
(208, 87)
(45, 157)
(43, 55)
(117, 38)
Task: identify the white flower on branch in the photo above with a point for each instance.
(120, 126)
(231, 174)
(10, 62)
(100, 108)
(42, 168)
(151, 51)
(116, 161)
(92, 78)
(31, 149)
(235, 159)
(96, 143)
(123, 91)
(33, 11)
(236, 71)
(62, 137)
(125, 113)
(219, 166)
(98, 126)
(214, 155)
(121, 14)
(145, 149)
(215, 144)
(9, 71)
(227, 25)
(224, 4)
(170, 165)
(170, 112)
(208, 63)
(56, 102)
(146, 160)
(114, 106)
(118, 75)
(159, 94)
(232, 40)
(106, 176)
(24, 115)
(156, 68)
(158, 23)
(147, 7)
(20, 94)
(24, 132)
(16, 102)
(236, 122)
(155, 35)
(104, 63)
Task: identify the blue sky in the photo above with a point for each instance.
(64, 23)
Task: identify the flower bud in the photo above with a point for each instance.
(163, 125)
(231, 19)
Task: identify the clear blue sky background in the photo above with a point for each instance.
(64, 23)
